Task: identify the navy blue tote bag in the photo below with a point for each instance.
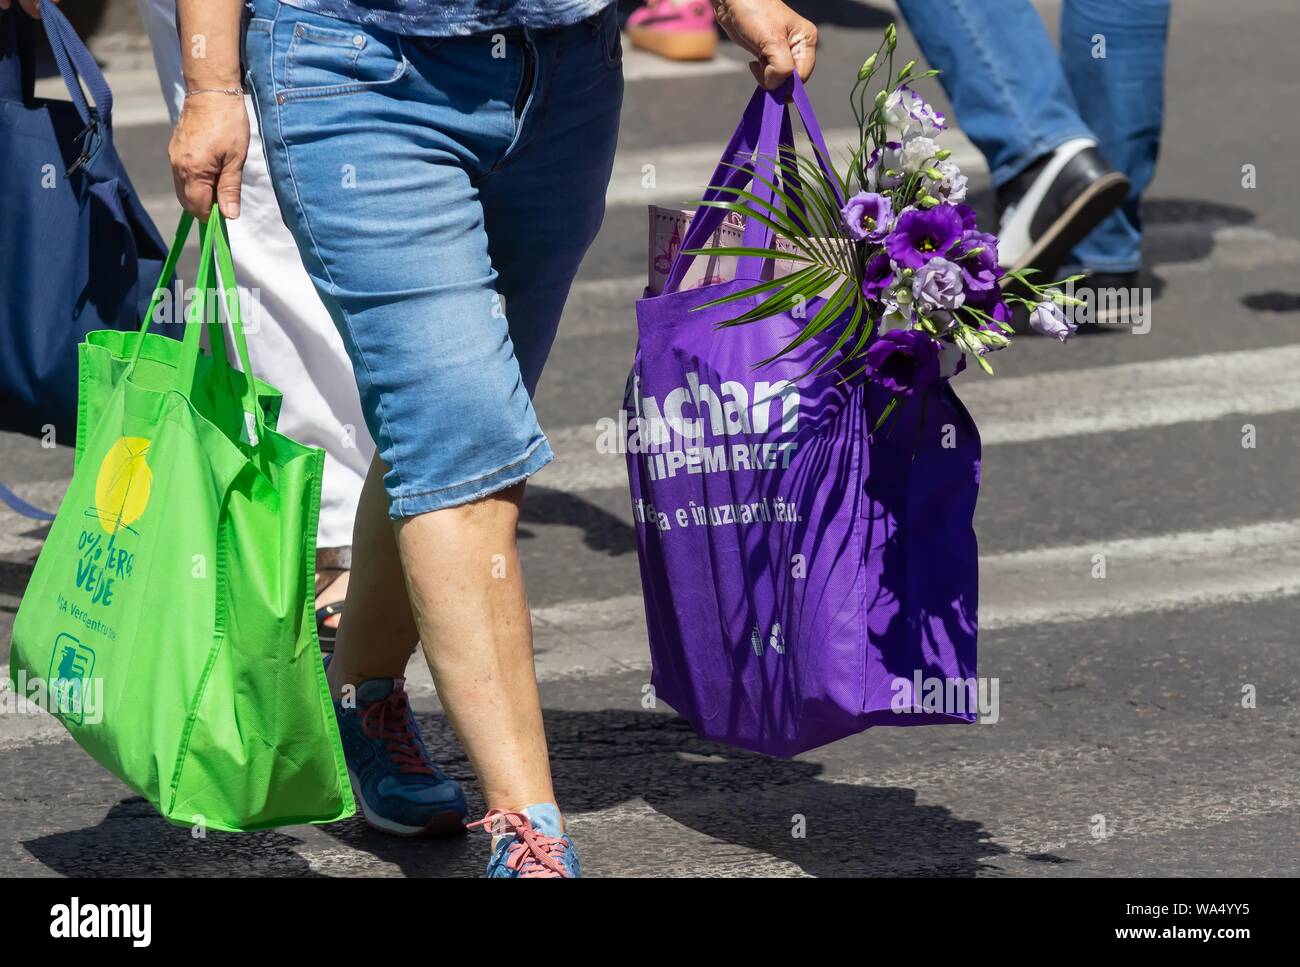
(77, 250)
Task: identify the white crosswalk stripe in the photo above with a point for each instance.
(664, 174)
(1103, 399)
(1049, 585)
(1022, 409)
(678, 174)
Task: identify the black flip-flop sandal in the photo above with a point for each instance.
(330, 559)
(325, 633)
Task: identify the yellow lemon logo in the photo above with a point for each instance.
(122, 487)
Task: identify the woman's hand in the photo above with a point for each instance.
(210, 143)
(207, 153)
(782, 40)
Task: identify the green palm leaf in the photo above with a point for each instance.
(804, 210)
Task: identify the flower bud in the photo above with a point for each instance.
(865, 71)
(891, 36)
(934, 174)
(943, 154)
(906, 72)
(927, 201)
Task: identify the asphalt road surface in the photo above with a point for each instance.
(1122, 744)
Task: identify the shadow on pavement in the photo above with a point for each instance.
(133, 840)
(601, 531)
(1272, 301)
(601, 759)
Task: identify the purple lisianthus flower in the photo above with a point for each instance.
(1001, 312)
(868, 216)
(977, 254)
(877, 276)
(937, 288)
(968, 219)
(1049, 320)
(919, 236)
(903, 361)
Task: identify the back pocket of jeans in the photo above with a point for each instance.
(334, 60)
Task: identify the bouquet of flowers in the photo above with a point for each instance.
(903, 258)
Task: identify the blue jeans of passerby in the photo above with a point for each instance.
(1017, 98)
(442, 192)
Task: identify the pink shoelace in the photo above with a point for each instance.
(533, 854)
(388, 720)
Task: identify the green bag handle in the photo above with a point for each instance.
(256, 425)
(214, 252)
(165, 279)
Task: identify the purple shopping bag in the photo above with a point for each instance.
(804, 579)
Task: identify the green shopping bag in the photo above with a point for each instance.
(168, 620)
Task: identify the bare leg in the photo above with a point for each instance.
(465, 588)
(467, 592)
(376, 634)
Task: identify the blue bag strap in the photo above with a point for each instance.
(75, 65)
(20, 506)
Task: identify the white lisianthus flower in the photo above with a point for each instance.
(885, 159)
(953, 186)
(908, 115)
(918, 152)
(895, 316)
(895, 111)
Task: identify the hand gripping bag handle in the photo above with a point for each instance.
(762, 128)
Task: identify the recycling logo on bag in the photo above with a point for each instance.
(71, 667)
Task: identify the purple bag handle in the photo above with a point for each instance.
(765, 122)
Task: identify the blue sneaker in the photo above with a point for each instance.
(396, 784)
(529, 844)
